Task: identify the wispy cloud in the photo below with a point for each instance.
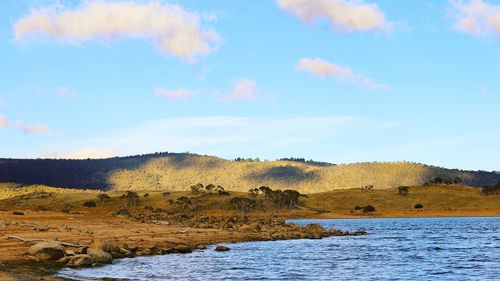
(343, 15)
(172, 29)
(39, 129)
(323, 68)
(4, 122)
(84, 153)
(177, 94)
(477, 17)
(244, 89)
(63, 92)
(227, 135)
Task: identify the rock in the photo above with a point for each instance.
(221, 248)
(99, 256)
(47, 250)
(315, 231)
(80, 261)
(69, 252)
(124, 212)
(18, 213)
(64, 260)
(201, 247)
(82, 250)
(182, 249)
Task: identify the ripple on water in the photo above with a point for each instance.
(395, 249)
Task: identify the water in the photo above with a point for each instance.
(395, 249)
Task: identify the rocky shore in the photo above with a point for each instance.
(85, 239)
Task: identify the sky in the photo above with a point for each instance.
(340, 81)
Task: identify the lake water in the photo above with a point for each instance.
(394, 249)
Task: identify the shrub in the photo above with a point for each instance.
(103, 198)
(89, 204)
(367, 188)
(130, 198)
(368, 209)
(418, 206)
(146, 195)
(244, 204)
(185, 202)
(491, 190)
(403, 190)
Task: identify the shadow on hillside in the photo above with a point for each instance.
(282, 174)
(185, 160)
(84, 174)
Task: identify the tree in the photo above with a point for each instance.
(103, 198)
(244, 204)
(130, 198)
(209, 188)
(185, 202)
(403, 190)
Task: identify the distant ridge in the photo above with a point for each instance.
(178, 171)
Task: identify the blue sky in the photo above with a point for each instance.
(332, 80)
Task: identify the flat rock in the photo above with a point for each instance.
(47, 250)
(80, 261)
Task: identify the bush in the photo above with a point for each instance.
(368, 209)
(403, 190)
(89, 204)
(367, 188)
(491, 190)
(418, 206)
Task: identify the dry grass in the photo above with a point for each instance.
(174, 173)
(442, 199)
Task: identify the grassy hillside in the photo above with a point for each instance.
(435, 200)
(178, 171)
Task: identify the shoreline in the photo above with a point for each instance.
(149, 238)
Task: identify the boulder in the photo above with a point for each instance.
(80, 261)
(315, 231)
(47, 250)
(221, 248)
(99, 256)
(182, 249)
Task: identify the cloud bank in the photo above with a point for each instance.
(323, 68)
(176, 95)
(344, 15)
(173, 30)
(84, 153)
(477, 17)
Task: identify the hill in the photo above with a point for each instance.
(178, 171)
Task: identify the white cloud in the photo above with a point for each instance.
(177, 95)
(40, 129)
(344, 15)
(84, 153)
(244, 89)
(172, 29)
(230, 136)
(323, 68)
(4, 122)
(63, 92)
(477, 17)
